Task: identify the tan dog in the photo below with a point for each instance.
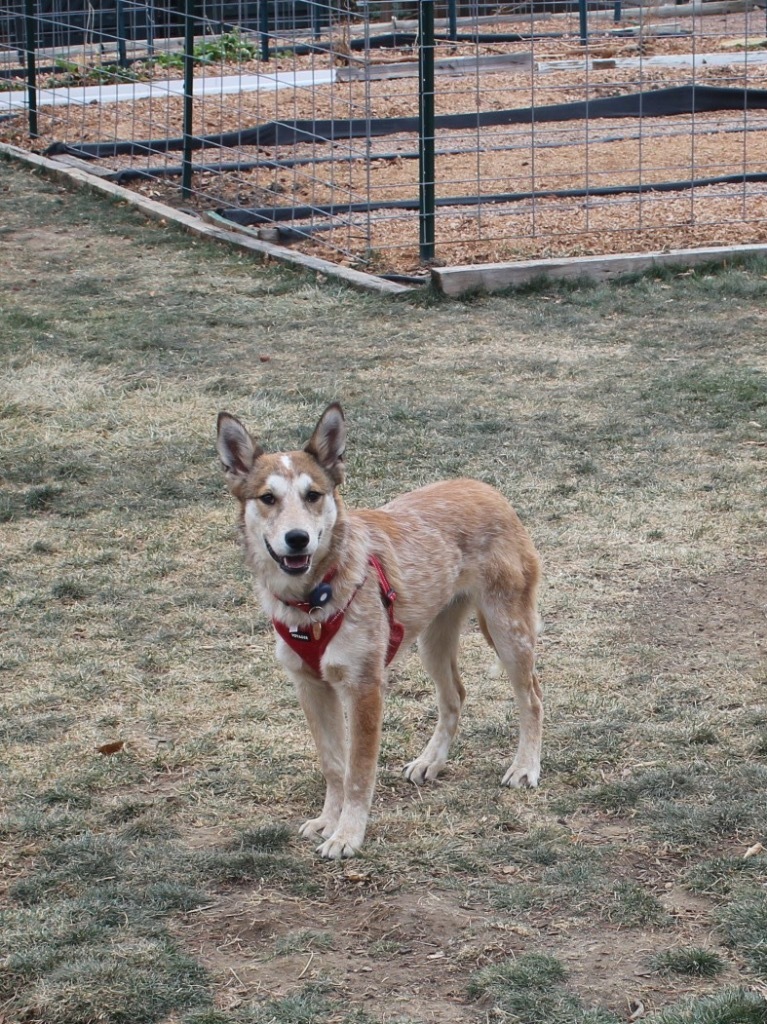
(344, 588)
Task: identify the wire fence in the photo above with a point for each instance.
(391, 135)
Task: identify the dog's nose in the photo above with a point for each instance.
(296, 539)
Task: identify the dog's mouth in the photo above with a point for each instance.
(293, 565)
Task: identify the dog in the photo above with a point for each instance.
(349, 590)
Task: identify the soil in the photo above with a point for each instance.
(691, 618)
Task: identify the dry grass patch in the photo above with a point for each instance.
(628, 426)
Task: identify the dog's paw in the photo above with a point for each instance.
(339, 846)
(422, 770)
(520, 775)
(317, 827)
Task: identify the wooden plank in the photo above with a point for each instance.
(749, 43)
(464, 23)
(495, 277)
(661, 60)
(645, 29)
(697, 9)
(444, 66)
(196, 226)
(83, 165)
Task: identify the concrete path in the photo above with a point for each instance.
(11, 102)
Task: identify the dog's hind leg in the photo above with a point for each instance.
(438, 647)
(511, 627)
(325, 715)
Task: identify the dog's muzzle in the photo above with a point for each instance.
(294, 565)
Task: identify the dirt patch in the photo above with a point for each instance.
(414, 948)
(420, 950)
(689, 619)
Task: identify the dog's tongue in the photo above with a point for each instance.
(297, 561)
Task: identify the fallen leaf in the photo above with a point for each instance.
(111, 748)
(753, 850)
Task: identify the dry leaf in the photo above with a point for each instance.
(353, 875)
(753, 850)
(637, 1008)
(111, 748)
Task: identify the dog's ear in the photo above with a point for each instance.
(236, 449)
(328, 442)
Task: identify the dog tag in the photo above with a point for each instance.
(316, 630)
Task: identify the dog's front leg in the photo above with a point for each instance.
(325, 716)
(363, 704)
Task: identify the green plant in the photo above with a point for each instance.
(169, 60)
(692, 960)
(70, 73)
(229, 48)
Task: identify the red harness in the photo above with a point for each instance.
(310, 642)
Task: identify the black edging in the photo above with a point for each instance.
(682, 99)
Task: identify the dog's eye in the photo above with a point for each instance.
(313, 497)
(267, 499)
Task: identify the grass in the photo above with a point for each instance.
(731, 1006)
(165, 880)
(532, 988)
(692, 960)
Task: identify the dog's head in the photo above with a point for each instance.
(288, 499)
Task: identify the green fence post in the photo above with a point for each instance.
(30, 25)
(186, 164)
(452, 19)
(583, 21)
(263, 27)
(122, 45)
(426, 128)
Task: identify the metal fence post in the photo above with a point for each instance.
(149, 14)
(186, 164)
(263, 27)
(583, 22)
(452, 19)
(30, 26)
(426, 127)
(122, 46)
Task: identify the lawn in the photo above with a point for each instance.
(154, 765)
